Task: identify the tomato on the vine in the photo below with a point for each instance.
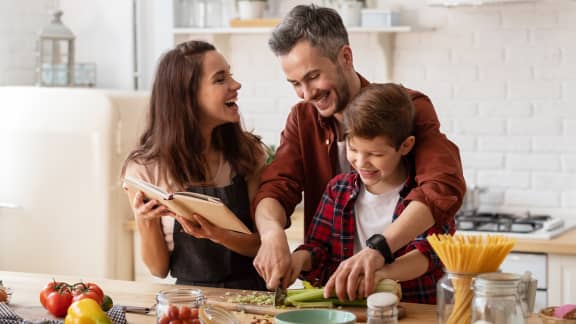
(58, 301)
(88, 290)
(50, 287)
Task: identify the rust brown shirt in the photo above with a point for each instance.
(307, 159)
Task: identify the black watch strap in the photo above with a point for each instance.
(378, 242)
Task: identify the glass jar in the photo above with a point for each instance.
(496, 299)
(454, 297)
(382, 308)
(178, 303)
(210, 314)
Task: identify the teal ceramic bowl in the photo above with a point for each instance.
(315, 316)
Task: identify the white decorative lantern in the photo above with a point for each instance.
(55, 54)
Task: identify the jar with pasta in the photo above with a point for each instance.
(454, 298)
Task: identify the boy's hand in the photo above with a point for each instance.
(345, 281)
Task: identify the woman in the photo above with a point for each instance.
(194, 142)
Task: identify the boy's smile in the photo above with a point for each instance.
(378, 163)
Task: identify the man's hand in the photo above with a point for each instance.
(273, 261)
(356, 270)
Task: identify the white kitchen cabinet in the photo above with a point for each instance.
(561, 279)
(61, 204)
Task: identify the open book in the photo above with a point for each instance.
(187, 203)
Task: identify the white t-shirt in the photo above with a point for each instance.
(373, 214)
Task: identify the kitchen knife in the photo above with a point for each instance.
(137, 309)
(280, 296)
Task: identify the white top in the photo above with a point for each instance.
(381, 299)
(373, 214)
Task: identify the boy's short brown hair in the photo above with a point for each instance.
(381, 110)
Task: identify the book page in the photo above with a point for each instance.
(150, 190)
(186, 204)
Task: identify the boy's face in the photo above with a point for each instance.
(316, 78)
(377, 161)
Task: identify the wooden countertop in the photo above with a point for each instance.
(562, 244)
(26, 287)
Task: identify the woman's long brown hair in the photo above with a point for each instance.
(172, 135)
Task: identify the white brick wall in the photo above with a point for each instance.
(20, 21)
(517, 125)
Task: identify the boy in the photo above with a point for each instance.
(358, 205)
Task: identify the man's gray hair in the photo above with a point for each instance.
(321, 26)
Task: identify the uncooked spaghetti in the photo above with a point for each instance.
(469, 254)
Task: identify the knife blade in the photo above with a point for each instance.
(280, 296)
(137, 309)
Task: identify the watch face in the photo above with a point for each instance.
(375, 241)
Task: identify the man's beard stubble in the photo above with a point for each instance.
(342, 91)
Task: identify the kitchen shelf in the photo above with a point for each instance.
(459, 3)
(382, 36)
(267, 30)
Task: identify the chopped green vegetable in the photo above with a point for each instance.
(254, 298)
(314, 297)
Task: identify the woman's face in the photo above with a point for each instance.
(218, 92)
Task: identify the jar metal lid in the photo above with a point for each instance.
(496, 282)
(498, 277)
(382, 299)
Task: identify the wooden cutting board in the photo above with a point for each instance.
(218, 299)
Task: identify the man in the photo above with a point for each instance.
(312, 46)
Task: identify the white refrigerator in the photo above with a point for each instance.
(62, 209)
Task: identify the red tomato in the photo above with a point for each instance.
(176, 321)
(194, 313)
(57, 302)
(88, 290)
(185, 312)
(196, 321)
(164, 320)
(173, 312)
(50, 287)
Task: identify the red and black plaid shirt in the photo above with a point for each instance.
(330, 238)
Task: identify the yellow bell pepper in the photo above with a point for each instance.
(86, 311)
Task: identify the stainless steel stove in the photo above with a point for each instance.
(526, 225)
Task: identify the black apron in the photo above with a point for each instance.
(202, 262)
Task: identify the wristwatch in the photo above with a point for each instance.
(378, 243)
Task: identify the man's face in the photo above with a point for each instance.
(316, 78)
